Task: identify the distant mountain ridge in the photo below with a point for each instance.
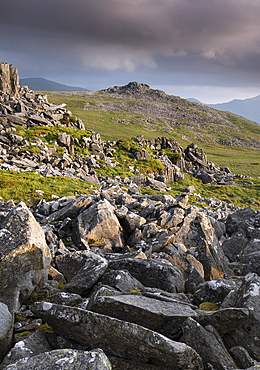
(249, 108)
(41, 84)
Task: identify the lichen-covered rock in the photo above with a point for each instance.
(118, 338)
(33, 345)
(64, 359)
(24, 256)
(224, 320)
(214, 291)
(198, 233)
(6, 330)
(240, 220)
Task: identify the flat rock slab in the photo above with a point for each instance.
(117, 338)
(63, 359)
(161, 316)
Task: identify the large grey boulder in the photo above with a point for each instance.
(87, 276)
(161, 316)
(62, 359)
(24, 256)
(96, 223)
(6, 330)
(240, 220)
(152, 273)
(117, 338)
(208, 345)
(81, 270)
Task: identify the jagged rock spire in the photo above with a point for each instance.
(9, 79)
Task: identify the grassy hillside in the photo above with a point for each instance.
(227, 139)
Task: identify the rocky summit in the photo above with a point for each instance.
(116, 278)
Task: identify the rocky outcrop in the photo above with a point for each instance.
(9, 79)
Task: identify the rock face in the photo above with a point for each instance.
(9, 79)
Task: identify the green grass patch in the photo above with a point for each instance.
(21, 186)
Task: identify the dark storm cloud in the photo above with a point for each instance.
(220, 35)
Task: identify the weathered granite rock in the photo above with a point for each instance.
(209, 346)
(33, 345)
(98, 222)
(233, 246)
(214, 291)
(161, 316)
(132, 221)
(152, 273)
(6, 330)
(24, 256)
(62, 359)
(118, 338)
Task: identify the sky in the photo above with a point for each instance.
(203, 49)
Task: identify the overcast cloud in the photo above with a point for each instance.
(92, 43)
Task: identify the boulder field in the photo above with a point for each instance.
(115, 279)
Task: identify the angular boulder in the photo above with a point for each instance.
(118, 338)
(24, 256)
(211, 349)
(98, 222)
(152, 273)
(161, 316)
